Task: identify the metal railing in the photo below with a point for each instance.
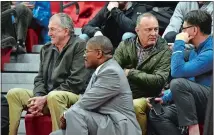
(62, 7)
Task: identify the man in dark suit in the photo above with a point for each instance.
(106, 107)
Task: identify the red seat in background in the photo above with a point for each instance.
(5, 56)
(31, 39)
(87, 11)
(38, 125)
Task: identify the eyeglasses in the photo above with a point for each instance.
(187, 27)
(87, 51)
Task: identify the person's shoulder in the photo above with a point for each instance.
(47, 45)
(163, 45)
(76, 41)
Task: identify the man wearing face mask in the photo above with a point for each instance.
(116, 21)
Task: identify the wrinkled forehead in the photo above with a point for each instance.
(149, 22)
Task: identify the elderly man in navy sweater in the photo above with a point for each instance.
(191, 88)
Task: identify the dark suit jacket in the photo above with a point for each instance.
(69, 71)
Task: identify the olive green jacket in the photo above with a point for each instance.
(150, 76)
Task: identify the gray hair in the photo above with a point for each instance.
(65, 22)
(144, 15)
(102, 43)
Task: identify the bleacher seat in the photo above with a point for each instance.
(5, 56)
(26, 58)
(22, 67)
(31, 39)
(38, 125)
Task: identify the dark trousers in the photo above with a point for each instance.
(24, 18)
(4, 116)
(190, 104)
(190, 99)
(164, 124)
(208, 125)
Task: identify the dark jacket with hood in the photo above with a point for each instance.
(113, 24)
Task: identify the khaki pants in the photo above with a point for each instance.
(140, 106)
(57, 103)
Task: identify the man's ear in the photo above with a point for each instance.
(99, 54)
(67, 31)
(196, 30)
(136, 29)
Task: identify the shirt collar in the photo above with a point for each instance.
(139, 46)
(203, 43)
(98, 68)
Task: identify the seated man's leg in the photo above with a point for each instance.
(58, 102)
(164, 124)
(190, 99)
(24, 18)
(84, 37)
(140, 107)
(128, 35)
(83, 122)
(18, 100)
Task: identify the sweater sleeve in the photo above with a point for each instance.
(196, 66)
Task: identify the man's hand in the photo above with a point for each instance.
(36, 105)
(98, 33)
(112, 4)
(156, 99)
(63, 122)
(126, 71)
(184, 36)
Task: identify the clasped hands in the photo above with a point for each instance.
(36, 105)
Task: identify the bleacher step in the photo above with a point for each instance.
(5, 87)
(26, 58)
(21, 67)
(18, 78)
(21, 129)
(37, 48)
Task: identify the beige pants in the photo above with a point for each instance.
(140, 106)
(57, 103)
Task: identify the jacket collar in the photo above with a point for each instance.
(204, 45)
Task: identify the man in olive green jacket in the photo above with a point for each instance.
(146, 63)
